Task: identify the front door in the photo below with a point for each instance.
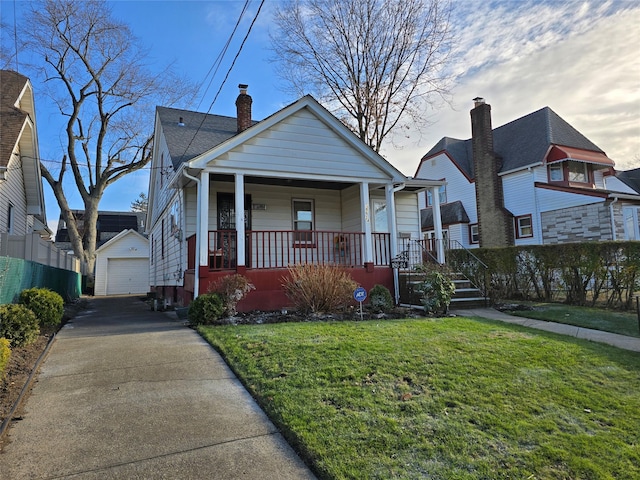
(227, 227)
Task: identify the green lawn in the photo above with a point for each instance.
(450, 398)
(624, 323)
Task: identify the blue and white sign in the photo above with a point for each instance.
(360, 294)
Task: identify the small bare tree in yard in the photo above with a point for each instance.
(376, 64)
(99, 82)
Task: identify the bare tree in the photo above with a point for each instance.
(373, 63)
(140, 204)
(101, 86)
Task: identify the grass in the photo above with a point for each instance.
(624, 323)
(450, 398)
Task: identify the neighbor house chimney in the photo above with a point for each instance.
(495, 222)
(243, 105)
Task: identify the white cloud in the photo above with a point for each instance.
(581, 60)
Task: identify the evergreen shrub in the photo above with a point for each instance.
(5, 354)
(380, 299)
(46, 304)
(19, 325)
(206, 309)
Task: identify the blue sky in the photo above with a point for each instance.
(581, 58)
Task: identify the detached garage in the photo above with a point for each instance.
(122, 265)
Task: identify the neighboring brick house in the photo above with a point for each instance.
(22, 209)
(535, 180)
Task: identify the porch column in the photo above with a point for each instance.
(390, 198)
(240, 232)
(202, 239)
(391, 218)
(365, 215)
(437, 222)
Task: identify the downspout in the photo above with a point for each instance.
(614, 237)
(394, 239)
(196, 285)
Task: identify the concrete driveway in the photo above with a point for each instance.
(130, 393)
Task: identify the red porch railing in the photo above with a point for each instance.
(282, 248)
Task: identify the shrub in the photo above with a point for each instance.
(436, 289)
(18, 324)
(206, 309)
(380, 298)
(318, 288)
(5, 354)
(232, 289)
(46, 304)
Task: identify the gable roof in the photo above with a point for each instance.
(218, 134)
(120, 236)
(198, 133)
(18, 132)
(520, 143)
(631, 178)
(12, 118)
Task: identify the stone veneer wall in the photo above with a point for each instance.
(576, 224)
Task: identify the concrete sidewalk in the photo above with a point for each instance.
(129, 393)
(620, 341)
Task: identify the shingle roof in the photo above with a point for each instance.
(11, 118)
(522, 142)
(451, 213)
(630, 178)
(183, 142)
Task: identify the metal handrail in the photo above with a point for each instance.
(483, 288)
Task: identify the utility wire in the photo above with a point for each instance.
(218, 61)
(225, 77)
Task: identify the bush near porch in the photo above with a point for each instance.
(594, 273)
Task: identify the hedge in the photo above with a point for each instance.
(589, 273)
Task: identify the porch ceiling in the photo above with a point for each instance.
(285, 182)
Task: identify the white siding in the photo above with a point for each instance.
(555, 200)
(408, 214)
(300, 145)
(614, 184)
(520, 199)
(458, 186)
(168, 251)
(12, 191)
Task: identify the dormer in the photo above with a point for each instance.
(573, 167)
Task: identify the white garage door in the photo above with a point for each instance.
(127, 275)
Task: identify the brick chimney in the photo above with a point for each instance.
(243, 105)
(495, 223)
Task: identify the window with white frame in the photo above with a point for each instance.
(474, 234)
(524, 226)
(442, 193)
(380, 218)
(631, 217)
(303, 221)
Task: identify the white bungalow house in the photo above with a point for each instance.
(535, 180)
(231, 195)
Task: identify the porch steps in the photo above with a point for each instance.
(465, 295)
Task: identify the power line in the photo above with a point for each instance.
(218, 61)
(225, 77)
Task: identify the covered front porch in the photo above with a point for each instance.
(259, 226)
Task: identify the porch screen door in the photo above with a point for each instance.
(227, 222)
